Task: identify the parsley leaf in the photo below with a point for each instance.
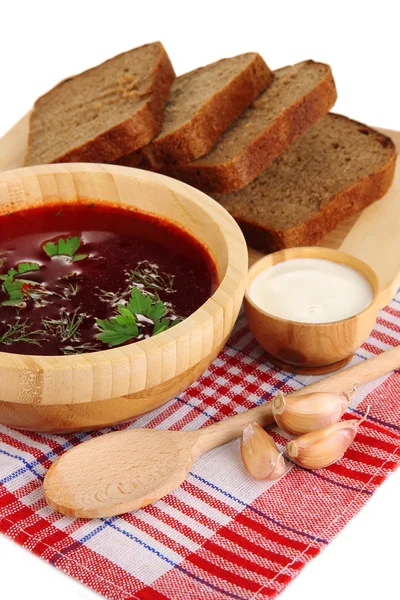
(139, 303)
(27, 267)
(18, 289)
(15, 292)
(9, 275)
(119, 329)
(78, 257)
(176, 322)
(160, 326)
(124, 326)
(142, 304)
(69, 246)
(50, 248)
(65, 247)
(157, 311)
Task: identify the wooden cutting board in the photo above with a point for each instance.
(372, 235)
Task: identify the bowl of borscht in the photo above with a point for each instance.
(118, 288)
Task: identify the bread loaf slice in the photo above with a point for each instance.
(104, 112)
(298, 97)
(335, 169)
(201, 105)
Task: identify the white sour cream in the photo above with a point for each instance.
(311, 290)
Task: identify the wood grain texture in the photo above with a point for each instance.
(86, 416)
(148, 372)
(13, 145)
(310, 345)
(122, 471)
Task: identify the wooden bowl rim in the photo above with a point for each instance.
(314, 252)
(236, 272)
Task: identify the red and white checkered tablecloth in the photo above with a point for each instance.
(222, 534)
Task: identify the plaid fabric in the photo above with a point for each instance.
(221, 534)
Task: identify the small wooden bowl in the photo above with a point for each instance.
(313, 348)
(88, 391)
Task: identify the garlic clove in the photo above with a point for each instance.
(260, 454)
(321, 448)
(309, 412)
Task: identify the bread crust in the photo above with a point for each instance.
(347, 202)
(132, 133)
(196, 137)
(261, 151)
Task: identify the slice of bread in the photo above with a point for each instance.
(201, 105)
(335, 169)
(298, 97)
(104, 112)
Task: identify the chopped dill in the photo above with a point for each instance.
(66, 327)
(146, 276)
(113, 298)
(67, 290)
(71, 350)
(37, 293)
(74, 288)
(18, 332)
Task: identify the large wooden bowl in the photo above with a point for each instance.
(88, 391)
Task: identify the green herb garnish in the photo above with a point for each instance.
(65, 247)
(71, 350)
(147, 276)
(78, 257)
(14, 290)
(27, 267)
(160, 326)
(74, 287)
(127, 323)
(143, 304)
(19, 333)
(36, 292)
(119, 329)
(67, 291)
(66, 327)
(112, 298)
(18, 289)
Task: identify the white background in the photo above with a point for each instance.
(43, 42)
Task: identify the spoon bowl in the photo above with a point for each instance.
(146, 464)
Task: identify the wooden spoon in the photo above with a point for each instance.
(125, 470)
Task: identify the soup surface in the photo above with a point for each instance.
(84, 278)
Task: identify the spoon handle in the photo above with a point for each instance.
(231, 428)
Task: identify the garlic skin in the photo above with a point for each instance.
(260, 454)
(319, 449)
(309, 412)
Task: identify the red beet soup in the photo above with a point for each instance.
(81, 278)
